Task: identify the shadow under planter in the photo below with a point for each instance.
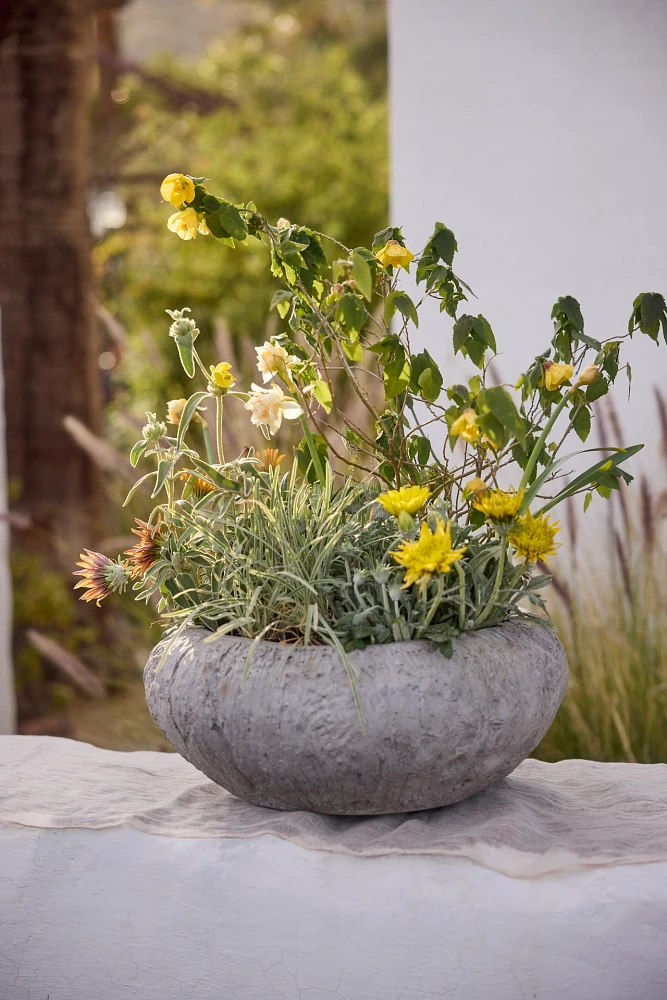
(434, 731)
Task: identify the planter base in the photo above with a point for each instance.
(437, 730)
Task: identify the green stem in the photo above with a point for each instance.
(314, 454)
(532, 461)
(462, 596)
(496, 587)
(221, 454)
(435, 604)
(210, 457)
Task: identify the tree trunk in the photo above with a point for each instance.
(49, 336)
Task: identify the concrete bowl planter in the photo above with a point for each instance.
(437, 730)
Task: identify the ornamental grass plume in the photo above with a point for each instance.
(431, 553)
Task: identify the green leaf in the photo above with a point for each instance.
(444, 243)
(652, 309)
(582, 423)
(361, 273)
(396, 374)
(136, 486)
(599, 387)
(383, 237)
(570, 308)
(401, 301)
(483, 327)
(187, 415)
(351, 312)
(587, 501)
(232, 220)
(499, 402)
(304, 458)
(281, 301)
(462, 330)
(423, 449)
(322, 394)
(353, 350)
(186, 345)
(137, 451)
(425, 376)
(210, 203)
(164, 467)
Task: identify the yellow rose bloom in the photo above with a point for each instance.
(176, 189)
(474, 487)
(588, 375)
(186, 224)
(555, 374)
(466, 427)
(394, 255)
(533, 537)
(407, 500)
(221, 375)
(431, 553)
(497, 505)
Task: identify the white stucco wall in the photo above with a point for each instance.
(536, 130)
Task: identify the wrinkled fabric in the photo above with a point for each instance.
(543, 818)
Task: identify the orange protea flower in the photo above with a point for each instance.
(101, 576)
(270, 458)
(144, 553)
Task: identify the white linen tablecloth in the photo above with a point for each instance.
(109, 887)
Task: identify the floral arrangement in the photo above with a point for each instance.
(375, 534)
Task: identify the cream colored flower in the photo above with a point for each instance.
(588, 375)
(176, 189)
(272, 359)
(187, 224)
(175, 409)
(268, 407)
(283, 223)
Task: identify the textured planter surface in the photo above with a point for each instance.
(437, 730)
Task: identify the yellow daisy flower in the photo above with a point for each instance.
(431, 553)
(497, 505)
(407, 500)
(533, 537)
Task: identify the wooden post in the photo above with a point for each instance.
(7, 698)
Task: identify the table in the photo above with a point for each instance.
(132, 876)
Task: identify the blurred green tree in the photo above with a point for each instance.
(283, 113)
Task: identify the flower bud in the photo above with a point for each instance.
(283, 223)
(154, 429)
(588, 375)
(182, 325)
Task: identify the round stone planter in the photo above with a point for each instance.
(436, 730)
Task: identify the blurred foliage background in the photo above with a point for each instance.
(285, 103)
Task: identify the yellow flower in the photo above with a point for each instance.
(221, 375)
(269, 405)
(177, 188)
(466, 426)
(394, 255)
(588, 375)
(533, 537)
(430, 553)
(187, 224)
(408, 500)
(475, 487)
(272, 359)
(283, 223)
(270, 458)
(555, 374)
(497, 505)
